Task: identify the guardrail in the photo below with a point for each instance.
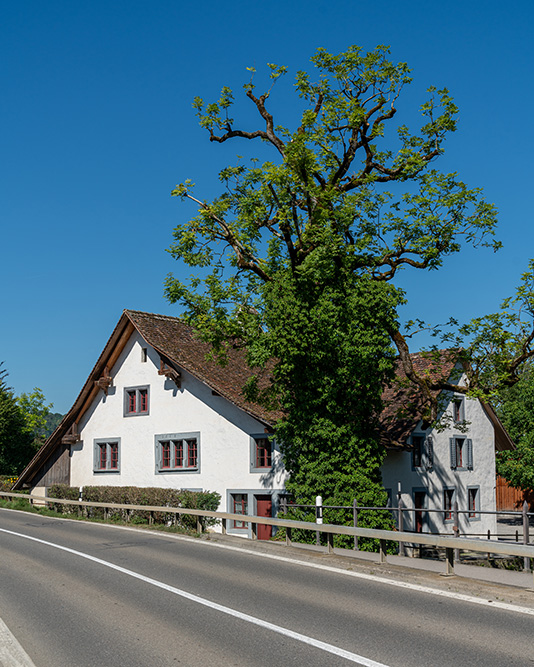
(450, 544)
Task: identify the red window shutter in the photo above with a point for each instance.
(131, 401)
(143, 400)
(263, 453)
(165, 454)
(179, 454)
(103, 456)
(114, 455)
(192, 454)
(240, 507)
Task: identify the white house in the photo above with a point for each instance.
(432, 469)
(155, 412)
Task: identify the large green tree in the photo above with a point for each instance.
(15, 437)
(295, 261)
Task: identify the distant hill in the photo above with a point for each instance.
(52, 421)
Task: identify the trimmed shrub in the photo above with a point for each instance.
(67, 493)
(134, 495)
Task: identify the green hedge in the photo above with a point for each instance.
(134, 495)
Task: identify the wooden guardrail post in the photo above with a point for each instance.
(449, 562)
(526, 536)
(330, 542)
(254, 530)
(355, 521)
(223, 526)
(288, 536)
(382, 551)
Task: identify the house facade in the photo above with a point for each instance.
(438, 468)
(155, 412)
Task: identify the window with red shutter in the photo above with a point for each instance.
(166, 454)
(136, 401)
(240, 506)
(177, 452)
(106, 455)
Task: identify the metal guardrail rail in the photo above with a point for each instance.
(450, 544)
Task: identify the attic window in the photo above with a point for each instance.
(144, 354)
(458, 410)
(136, 401)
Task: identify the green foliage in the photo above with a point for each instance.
(335, 355)
(516, 411)
(15, 439)
(132, 495)
(36, 413)
(293, 260)
(496, 348)
(517, 466)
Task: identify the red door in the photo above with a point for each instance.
(419, 499)
(264, 507)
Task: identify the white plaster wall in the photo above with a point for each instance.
(224, 447)
(398, 469)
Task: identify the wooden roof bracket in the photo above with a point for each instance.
(170, 373)
(105, 381)
(71, 436)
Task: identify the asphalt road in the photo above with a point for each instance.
(133, 598)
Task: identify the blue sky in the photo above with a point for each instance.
(97, 128)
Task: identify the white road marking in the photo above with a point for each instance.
(11, 652)
(316, 643)
(495, 604)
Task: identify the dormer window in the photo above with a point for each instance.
(135, 401)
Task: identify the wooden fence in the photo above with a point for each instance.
(510, 498)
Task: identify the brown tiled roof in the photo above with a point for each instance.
(403, 403)
(177, 341)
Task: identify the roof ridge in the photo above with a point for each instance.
(155, 315)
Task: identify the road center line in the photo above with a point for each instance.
(329, 648)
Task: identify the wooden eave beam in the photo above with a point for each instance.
(169, 372)
(105, 381)
(109, 362)
(71, 436)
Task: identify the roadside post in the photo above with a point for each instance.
(318, 517)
